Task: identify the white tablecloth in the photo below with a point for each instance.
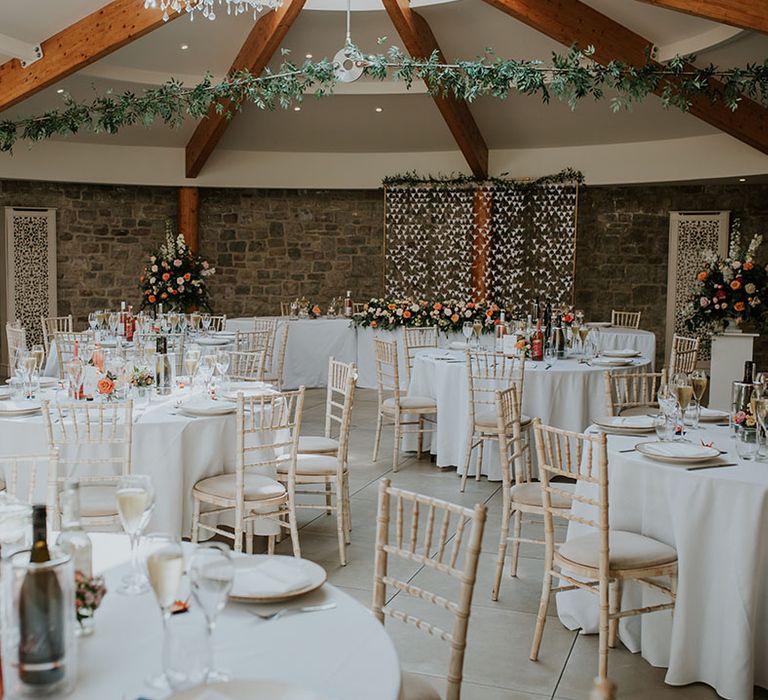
(174, 449)
(343, 653)
(310, 343)
(568, 395)
(627, 338)
(717, 519)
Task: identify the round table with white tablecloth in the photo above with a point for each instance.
(310, 343)
(717, 520)
(343, 653)
(174, 449)
(567, 393)
(620, 338)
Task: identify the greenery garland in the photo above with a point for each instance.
(570, 77)
(412, 179)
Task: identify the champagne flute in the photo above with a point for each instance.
(93, 320)
(222, 363)
(135, 501)
(468, 330)
(75, 375)
(114, 322)
(211, 573)
(477, 327)
(206, 321)
(683, 393)
(38, 352)
(205, 369)
(699, 384)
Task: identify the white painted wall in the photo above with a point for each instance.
(701, 157)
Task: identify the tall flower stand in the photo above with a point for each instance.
(729, 353)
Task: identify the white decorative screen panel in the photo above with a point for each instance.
(691, 234)
(29, 250)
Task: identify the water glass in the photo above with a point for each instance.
(661, 424)
(746, 443)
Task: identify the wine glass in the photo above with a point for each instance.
(477, 327)
(135, 501)
(760, 411)
(38, 352)
(205, 319)
(75, 376)
(211, 573)
(222, 363)
(205, 369)
(467, 329)
(761, 384)
(163, 560)
(683, 393)
(114, 322)
(93, 320)
(699, 384)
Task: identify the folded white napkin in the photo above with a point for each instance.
(269, 577)
(202, 405)
(631, 422)
(678, 449)
(708, 413)
(19, 406)
(626, 352)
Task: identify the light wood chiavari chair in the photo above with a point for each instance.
(20, 474)
(393, 406)
(285, 308)
(415, 339)
(450, 545)
(247, 366)
(331, 469)
(358, 307)
(65, 347)
(625, 319)
(487, 372)
(267, 434)
(93, 440)
(252, 341)
(270, 326)
(523, 497)
(600, 561)
(17, 345)
(218, 323)
(684, 355)
(53, 325)
(603, 689)
(632, 393)
(274, 366)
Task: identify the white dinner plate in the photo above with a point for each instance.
(247, 389)
(45, 382)
(612, 362)
(599, 324)
(199, 406)
(212, 340)
(247, 690)
(625, 424)
(19, 408)
(708, 415)
(260, 578)
(627, 352)
(677, 452)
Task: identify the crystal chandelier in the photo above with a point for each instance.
(206, 7)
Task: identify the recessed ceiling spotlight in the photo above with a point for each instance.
(379, 109)
(742, 179)
(309, 55)
(60, 90)
(184, 47)
(297, 109)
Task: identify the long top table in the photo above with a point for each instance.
(717, 520)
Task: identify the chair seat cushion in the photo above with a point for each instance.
(309, 465)
(415, 687)
(315, 444)
(488, 419)
(530, 495)
(257, 487)
(417, 404)
(627, 550)
(98, 501)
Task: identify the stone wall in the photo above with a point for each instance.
(269, 245)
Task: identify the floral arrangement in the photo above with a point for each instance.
(106, 385)
(176, 277)
(141, 377)
(89, 592)
(448, 315)
(728, 289)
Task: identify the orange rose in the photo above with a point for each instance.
(702, 276)
(748, 266)
(166, 276)
(739, 306)
(105, 386)
(455, 318)
(187, 277)
(736, 284)
(437, 306)
(374, 324)
(391, 307)
(406, 314)
(489, 313)
(141, 279)
(163, 296)
(520, 344)
(152, 298)
(316, 310)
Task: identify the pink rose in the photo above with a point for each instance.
(177, 262)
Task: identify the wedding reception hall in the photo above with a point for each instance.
(384, 349)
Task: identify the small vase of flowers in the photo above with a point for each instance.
(89, 592)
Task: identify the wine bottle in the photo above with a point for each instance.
(748, 372)
(72, 538)
(41, 615)
(348, 308)
(163, 370)
(501, 331)
(537, 343)
(547, 324)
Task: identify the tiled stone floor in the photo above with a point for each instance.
(497, 665)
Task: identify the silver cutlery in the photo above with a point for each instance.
(284, 611)
(711, 466)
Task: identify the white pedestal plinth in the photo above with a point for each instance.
(729, 353)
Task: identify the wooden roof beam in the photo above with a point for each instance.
(574, 22)
(420, 42)
(259, 47)
(113, 26)
(745, 14)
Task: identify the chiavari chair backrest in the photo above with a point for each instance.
(270, 326)
(513, 465)
(23, 473)
(218, 323)
(487, 373)
(684, 355)
(625, 319)
(442, 537)
(282, 346)
(247, 366)
(268, 428)
(387, 370)
(252, 341)
(358, 307)
(579, 456)
(627, 390)
(285, 308)
(66, 342)
(17, 344)
(53, 325)
(415, 338)
(340, 394)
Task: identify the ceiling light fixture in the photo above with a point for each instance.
(206, 7)
(742, 179)
(309, 55)
(346, 67)
(379, 109)
(297, 109)
(60, 90)
(184, 47)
